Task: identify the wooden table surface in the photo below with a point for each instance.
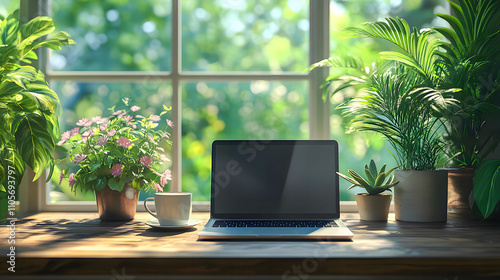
(79, 244)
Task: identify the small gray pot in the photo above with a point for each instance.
(421, 196)
(373, 208)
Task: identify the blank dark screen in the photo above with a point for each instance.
(275, 179)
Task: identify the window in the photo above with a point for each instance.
(7, 7)
(230, 69)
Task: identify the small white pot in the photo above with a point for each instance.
(421, 196)
(373, 208)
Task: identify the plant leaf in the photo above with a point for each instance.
(382, 169)
(116, 184)
(388, 172)
(373, 168)
(380, 179)
(392, 184)
(34, 143)
(36, 28)
(101, 183)
(22, 75)
(138, 183)
(38, 91)
(348, 179)
(352, 186)
(377, 190)
(359, 179)
(369, 176)
(487, 186)
(417, 50)
(54, 42)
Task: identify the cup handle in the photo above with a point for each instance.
(146, 206)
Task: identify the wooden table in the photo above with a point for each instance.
(79, 244)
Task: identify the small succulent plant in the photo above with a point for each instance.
(374, 182)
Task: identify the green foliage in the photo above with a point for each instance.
(471, 61)
(408, 117)
(417, 50)
(401, 102)
(29, 124)
(346, 72)
(474, 31)
(374, 182)
(487, 186)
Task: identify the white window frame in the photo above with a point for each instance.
(35, 198)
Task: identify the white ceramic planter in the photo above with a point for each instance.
(421, 196)
(373, 208)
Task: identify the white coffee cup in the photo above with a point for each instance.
(172, 209)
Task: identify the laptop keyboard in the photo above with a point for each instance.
(272, 223)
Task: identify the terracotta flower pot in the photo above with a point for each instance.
(421, 196)
(459, 192)
(373, 208)
(117, 206)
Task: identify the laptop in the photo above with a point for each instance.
(275, 189)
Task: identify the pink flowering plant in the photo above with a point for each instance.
(125, 147)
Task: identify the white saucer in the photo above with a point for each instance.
(154, 223)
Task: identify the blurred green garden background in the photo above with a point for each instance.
(217, 36)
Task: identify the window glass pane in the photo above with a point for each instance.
(357, 149)
(86, 100)
(238, 110)
(113, 35)
(353, 13)
(245, 35)
(7, 7)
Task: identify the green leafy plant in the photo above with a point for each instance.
(401, 100)
(470, 60)
(29, 126)
(416, 49)
(124, 148)
(374, 182)
(487, 187)
(407, 117)
(466, 69)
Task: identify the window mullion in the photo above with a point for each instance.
(176, 96)
(94, 76)
(30, 193)
(319, 20)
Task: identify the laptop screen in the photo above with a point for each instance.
(278, 179)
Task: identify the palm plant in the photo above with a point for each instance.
(416, 49)
(402, 103)
(408, 117)
(471, 61)
(29, 126)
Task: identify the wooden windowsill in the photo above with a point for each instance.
(79, 244)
